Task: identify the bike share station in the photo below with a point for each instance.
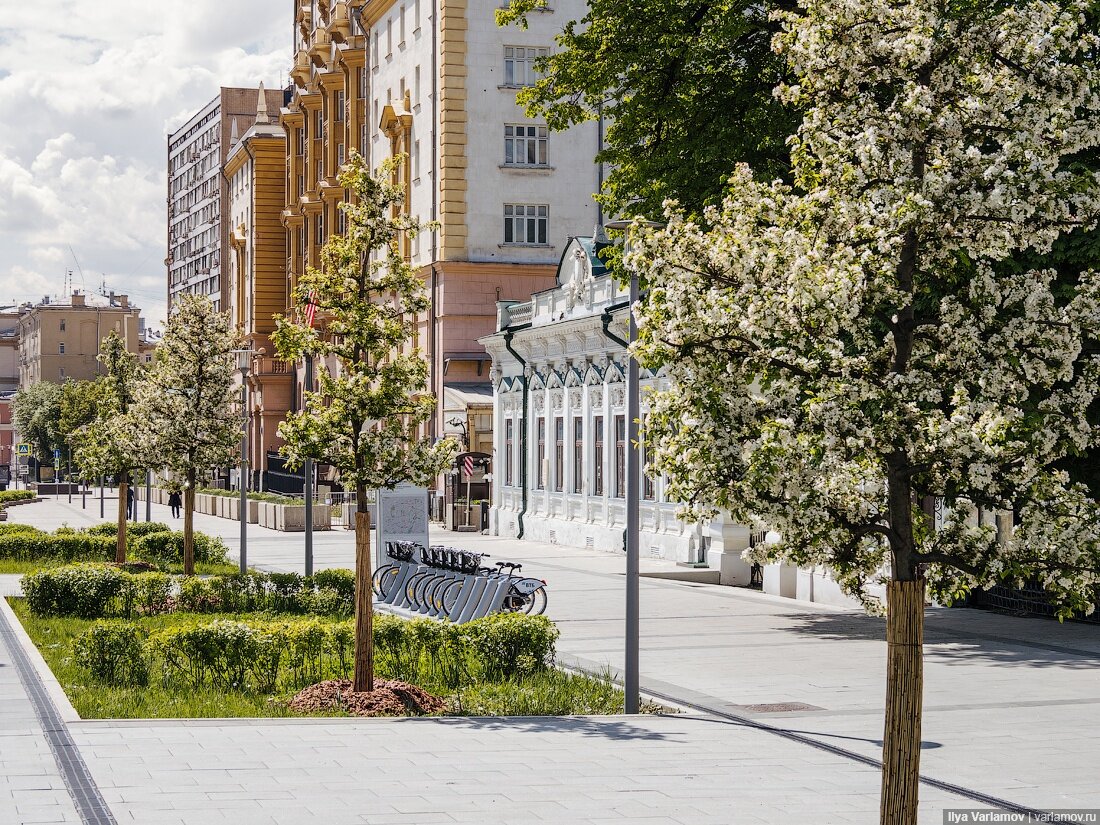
(414, 579)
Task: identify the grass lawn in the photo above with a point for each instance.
(201, 568)
(547, 693)
(92, 700)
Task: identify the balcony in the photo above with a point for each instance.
(299, 73)
(340, 27)
(271, 366)
(321, 50)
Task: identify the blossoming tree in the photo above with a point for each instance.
(186, 403)
(366, 417)
(110, 444)
(849, 349)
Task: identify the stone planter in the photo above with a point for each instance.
(291, 518)
(781, 580)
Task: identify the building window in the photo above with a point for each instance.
(525, 145)
(620, 456)
(509, 455)
(597, 443)
(559, 454)
(541, 472)
(416, 86)
(519, 65)
(401, 17)
(416, 159)
(62, 324)
(341, 221)
(339, 118)
(578, 453)
(61, 348)
(340, 154)
(526, 223)
(389, 37)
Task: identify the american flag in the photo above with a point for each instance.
(468, 466)
(311, 308)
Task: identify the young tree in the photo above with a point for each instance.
(848, 349)
(367, 416)
(684, 88)
(37, 413)
(110, 443)
(185, 403)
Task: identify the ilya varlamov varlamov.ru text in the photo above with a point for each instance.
(952, 816)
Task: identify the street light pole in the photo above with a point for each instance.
(631, 673)
(308, 471)
(243, 363)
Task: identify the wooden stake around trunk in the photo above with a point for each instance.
(904, 701)
(189, 530)
(120, 544)
(364, 607)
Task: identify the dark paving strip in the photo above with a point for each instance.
(85, 794)
(694, 700)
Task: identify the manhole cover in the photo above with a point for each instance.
(781, 707)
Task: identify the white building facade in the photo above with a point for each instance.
(560, 446)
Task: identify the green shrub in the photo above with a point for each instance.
(83, 590)
(506, 645)
(7, 496)
(38, 546)
(229, 655)
(326, 602)
(134, 529)
(167, 547)
(240, 593)
(197, 596)
(9, 527)
(338, 579)
(113, 652)
(152, 592)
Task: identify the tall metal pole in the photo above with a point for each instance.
(633, 513)
(102, 482)
(308, 471)
(69, 474)
(244, 465)
(148, 495)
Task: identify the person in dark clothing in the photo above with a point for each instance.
(130, 503)
(175, 502)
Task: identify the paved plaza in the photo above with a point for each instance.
(1012, 713)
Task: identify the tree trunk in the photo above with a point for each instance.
(364, 603)
(189, 527)
(904, 701)
(120, 543)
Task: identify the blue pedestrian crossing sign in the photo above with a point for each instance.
(57, 455)
(23, 449)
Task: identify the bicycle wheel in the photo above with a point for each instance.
(449, 597)
(536, 602)
(379, 574)
(428, 593)
(412, 587)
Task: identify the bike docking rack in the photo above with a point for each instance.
(451, 585)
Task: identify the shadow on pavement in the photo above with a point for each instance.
(600, 728)
(963, 636)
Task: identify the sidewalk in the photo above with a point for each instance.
(1012, 712)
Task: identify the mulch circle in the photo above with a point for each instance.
(389, 698)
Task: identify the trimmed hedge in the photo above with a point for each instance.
(93, 591)
(7, 496)
(167, 547)
(134, 529)
(272, 498)
(269, 656)
(31, 545)
(114, 653)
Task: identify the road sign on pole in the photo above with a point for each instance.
(23, 449)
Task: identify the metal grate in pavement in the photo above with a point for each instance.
(85, 794)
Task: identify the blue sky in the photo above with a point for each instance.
(88, 93)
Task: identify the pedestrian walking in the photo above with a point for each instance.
(130, 503)
(175, 502)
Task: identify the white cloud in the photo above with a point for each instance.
(96, 86)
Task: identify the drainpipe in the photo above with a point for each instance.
(508, 335)
(606, 319)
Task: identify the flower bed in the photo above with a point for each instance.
(187, 665)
